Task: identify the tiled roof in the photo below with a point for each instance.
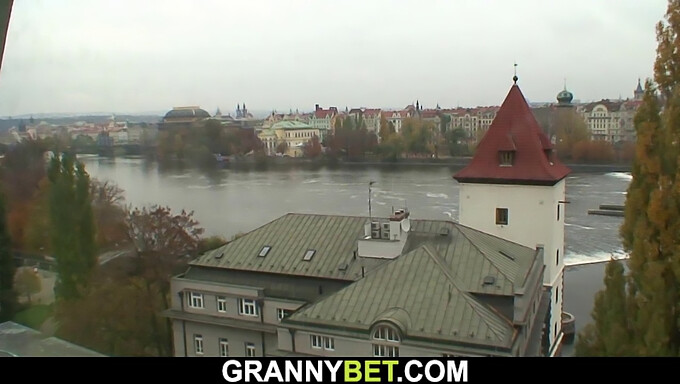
(421, 293)
(323, 113)
(514, 121)
(611, 105)
(372, 112)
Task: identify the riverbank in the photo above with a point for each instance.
(274, 163)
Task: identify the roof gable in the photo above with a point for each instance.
(514, 127)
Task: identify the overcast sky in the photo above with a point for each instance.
(131, 56)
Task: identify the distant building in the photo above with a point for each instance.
(242, 113)
(323, 120)
(396, 117)
(638, 93)
(612, 120)
(295, 134)
(474, 121)
(369, 116)
(17, 340)
(183, 117)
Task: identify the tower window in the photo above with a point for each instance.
(506, 158)
(558, 212)
(501, 216)
(557, 259)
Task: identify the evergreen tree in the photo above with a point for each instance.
(650, 319)
(71, 225)
(87, 234)
(7, 268)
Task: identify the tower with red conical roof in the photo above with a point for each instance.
(514, 188)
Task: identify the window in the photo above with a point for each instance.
(247, 307)
(198, 344)
(250, 350)
(555, 330)
(316, 341)
(329, 343)
(558, 212)
(265, 250)
(309, 254)
(221, 304)
(282, 313)
(557, 258)
(557, 294)
(224, 348)
(385, 351)
(386, 333)
(319, 342)
(506, 158)
(196, 300)
(501, 216)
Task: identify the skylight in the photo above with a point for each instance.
(309, 254)
(264, 251)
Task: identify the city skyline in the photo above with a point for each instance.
(137, 58)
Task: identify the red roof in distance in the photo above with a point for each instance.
(515, 127)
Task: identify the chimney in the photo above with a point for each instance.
(316, 107)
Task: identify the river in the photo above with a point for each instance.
(229, 201)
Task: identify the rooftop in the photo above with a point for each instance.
(334, 242)
(187, 112)
(20, 341)
(516, 130)
(290, 125)
(419, 294)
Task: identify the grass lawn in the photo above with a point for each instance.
(34, 316)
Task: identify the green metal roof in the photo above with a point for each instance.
(334, 238)
(418, 293)
(427, 291)
(290, 125)
(470, 255)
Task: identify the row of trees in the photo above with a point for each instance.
(201, 141)
(114, 308)
(638, 311)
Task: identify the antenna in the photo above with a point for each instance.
(370, 213)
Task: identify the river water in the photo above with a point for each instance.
(229, 201)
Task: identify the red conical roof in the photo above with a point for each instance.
(514, 129)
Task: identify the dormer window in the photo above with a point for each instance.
(506, 158)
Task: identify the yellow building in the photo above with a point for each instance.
(294, 133)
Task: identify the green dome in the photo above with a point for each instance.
(565, 97)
